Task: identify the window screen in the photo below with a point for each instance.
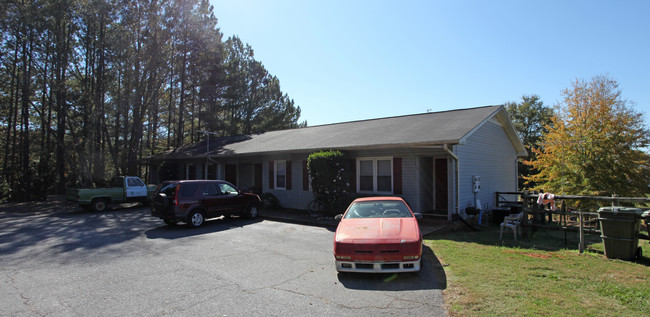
(280, 174)
(384, 179)
(376, 175)
(366, 172)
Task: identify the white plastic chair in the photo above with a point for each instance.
(512, 221)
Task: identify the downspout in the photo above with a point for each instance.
(446, 148)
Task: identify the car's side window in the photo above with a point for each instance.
(210, 189)
(227, 189)
(188, 190)
(169, 190)
(134, 182)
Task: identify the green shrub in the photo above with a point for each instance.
(5, 191)
(270, 201)
(330, 180)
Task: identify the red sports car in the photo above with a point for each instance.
(378, 235)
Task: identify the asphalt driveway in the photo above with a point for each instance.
(61, 262)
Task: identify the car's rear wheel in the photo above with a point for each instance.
(251, 211)
(99, 204)
(195, 219)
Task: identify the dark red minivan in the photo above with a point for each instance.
(194, 201)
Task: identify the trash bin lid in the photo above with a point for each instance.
(626, 210)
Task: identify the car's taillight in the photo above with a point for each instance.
(178, 187)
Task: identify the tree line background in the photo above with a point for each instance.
(88, 88)
(592, 143)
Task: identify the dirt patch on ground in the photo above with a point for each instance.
(532, 255)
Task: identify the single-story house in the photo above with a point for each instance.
(432, 160)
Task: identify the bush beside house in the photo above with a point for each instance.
(330, 180)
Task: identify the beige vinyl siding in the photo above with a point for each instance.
(487, 153)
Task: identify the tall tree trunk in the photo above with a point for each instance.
(181, 104)
(62, 41)
(98, 152)
(170, 107)
(26, 178)
(11, 123)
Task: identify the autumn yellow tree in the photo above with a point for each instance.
(595, 144)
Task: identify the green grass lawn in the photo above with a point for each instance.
(538, 275)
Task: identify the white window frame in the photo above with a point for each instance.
(188, 168)
(374, 174)
(275, 174)
(216, 170)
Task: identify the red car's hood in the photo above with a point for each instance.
(388, 230)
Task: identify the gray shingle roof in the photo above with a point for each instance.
(446, 127)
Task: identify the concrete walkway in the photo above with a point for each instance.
(302, 217)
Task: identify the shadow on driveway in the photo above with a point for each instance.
(66, 229)
(431, 276)
(209, 226)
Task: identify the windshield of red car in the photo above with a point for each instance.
(378, 209)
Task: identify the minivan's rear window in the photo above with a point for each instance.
(188, 189)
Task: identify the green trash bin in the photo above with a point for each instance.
(646, 217)
(619, 227)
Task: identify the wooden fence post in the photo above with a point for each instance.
(581, 247)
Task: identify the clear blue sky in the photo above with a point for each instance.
(352, 60)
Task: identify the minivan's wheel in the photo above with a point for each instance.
(99, 204)
(251, 211)
(170, 222)
(195, 219)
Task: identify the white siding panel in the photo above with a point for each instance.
(488, 153)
